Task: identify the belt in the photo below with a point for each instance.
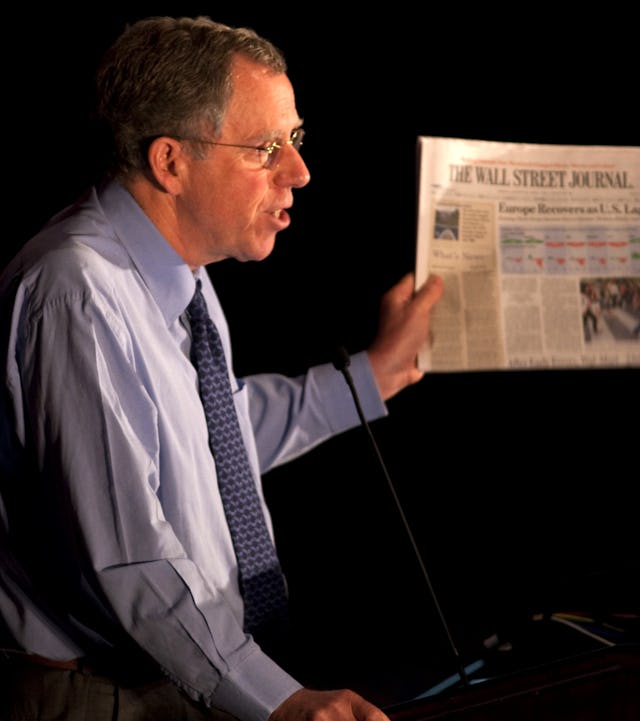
(73, 664)
(126, 670)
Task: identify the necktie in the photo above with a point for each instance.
(261, 580)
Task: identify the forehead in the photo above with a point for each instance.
(262, 101)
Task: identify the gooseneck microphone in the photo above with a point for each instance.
(341, 362)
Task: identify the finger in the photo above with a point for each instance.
(433, 287)
(402, 291)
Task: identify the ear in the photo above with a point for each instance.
(164, 157)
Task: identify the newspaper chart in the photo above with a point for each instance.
(539, 250)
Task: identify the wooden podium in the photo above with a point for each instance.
(603, 685)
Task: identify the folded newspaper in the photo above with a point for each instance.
(539, 249)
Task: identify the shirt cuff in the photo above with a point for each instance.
(255, 689)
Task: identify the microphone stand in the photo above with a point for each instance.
(341, 363)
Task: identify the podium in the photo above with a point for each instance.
(603, 685)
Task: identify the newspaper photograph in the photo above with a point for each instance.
(539, 249)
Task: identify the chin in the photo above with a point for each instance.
(262, 250)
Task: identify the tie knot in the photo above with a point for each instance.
(197, 308)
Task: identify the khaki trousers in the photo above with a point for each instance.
(30, 692)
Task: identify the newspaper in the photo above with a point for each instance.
(539, 249)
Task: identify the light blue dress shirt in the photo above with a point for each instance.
(106, 474)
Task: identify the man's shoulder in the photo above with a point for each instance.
(71, 244)
(76, 255)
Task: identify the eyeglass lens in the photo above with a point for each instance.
(276, 148)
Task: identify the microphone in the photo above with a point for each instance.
(341, 362)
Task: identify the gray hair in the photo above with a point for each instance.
(170, 76)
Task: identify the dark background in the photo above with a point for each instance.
(519, 486)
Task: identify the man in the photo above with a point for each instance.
(121, 589)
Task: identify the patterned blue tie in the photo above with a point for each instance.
(261, 579)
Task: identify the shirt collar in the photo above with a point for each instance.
(164, 272)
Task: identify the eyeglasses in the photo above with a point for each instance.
(271, 152)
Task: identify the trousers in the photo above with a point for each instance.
(31, 692)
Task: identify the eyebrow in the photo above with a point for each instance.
(275, 136)
(297, 127)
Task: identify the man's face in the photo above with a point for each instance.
(232, 206)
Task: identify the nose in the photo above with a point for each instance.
(291, 170)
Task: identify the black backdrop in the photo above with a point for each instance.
(518, 486)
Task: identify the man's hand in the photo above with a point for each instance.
(403, 329)
(343, 705)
